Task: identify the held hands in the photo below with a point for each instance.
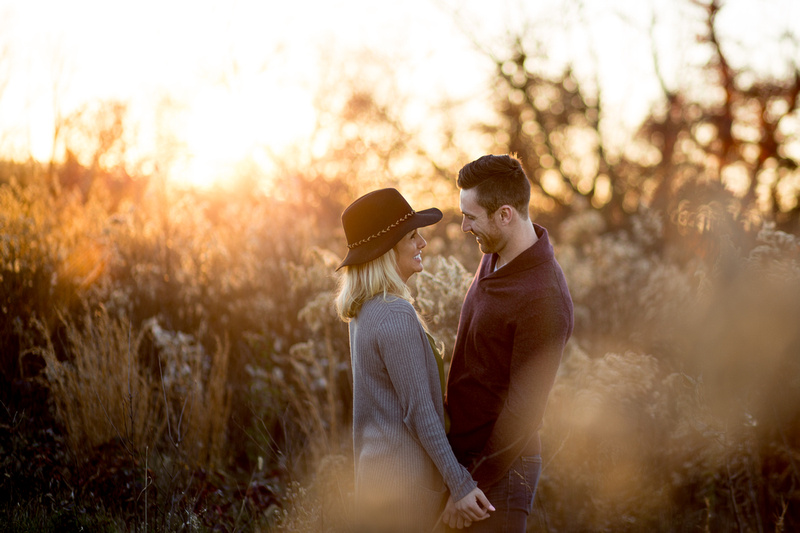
(471, 508)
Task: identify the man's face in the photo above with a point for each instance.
(478, 222)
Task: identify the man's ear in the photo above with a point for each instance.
(506, 213)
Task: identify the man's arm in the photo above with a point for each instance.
(539, 342)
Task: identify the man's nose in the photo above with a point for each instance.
(465, 227)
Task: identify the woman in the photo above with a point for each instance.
(403, 462)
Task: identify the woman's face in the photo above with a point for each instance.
(409, 254)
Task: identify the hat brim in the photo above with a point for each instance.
(380, 245)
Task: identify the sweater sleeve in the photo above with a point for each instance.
(539, 340)
(409, 361)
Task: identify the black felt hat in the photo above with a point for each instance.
(377, 221)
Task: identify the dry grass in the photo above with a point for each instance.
(101, 392)
(311, 378)
(200, 429)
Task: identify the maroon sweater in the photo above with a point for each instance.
(512, 331)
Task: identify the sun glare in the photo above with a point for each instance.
(225, 131)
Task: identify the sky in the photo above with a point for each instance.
(224, 79)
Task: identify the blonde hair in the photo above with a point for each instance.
(361, 282)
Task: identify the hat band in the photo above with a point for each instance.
(385, 230)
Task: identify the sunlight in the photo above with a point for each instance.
(223, 127)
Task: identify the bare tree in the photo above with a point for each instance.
(688, 154)
(728, 147)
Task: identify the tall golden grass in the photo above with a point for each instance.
(100, 391)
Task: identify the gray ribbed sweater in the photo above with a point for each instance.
(402, 457)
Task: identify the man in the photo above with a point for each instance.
(515, 321)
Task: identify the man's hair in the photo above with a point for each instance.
(361, 282)
(498, 180)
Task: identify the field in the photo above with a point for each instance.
(171, 361)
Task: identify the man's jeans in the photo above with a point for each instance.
(512, 497)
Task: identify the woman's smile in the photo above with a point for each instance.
(409, 254)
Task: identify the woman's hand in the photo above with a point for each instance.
(471, 508)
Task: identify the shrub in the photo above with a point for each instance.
(440, 294)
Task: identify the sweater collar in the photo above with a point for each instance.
(540, 252)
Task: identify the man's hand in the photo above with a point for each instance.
(471, 508)
(451, 516)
